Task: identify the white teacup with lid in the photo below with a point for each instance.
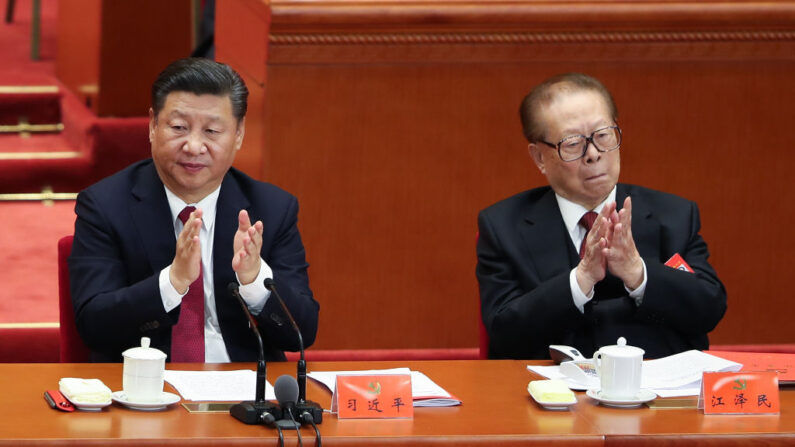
(619, 367)
(144, 369)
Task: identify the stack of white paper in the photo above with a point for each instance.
(553, 372)
(426, 392)
(680, 374)
(675, 375)
(228, 386)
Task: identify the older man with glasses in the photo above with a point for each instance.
(586, 259)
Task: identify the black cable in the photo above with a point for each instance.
(307, 418)
(270, 421)
(297, 427)
(281, 435)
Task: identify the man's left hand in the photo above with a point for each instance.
(247, 245)
(623, 259)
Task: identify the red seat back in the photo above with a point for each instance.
(73, 350)
(483, 335)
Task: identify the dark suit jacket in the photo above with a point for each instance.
(124, 237)
(525, 255)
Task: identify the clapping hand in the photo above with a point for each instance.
(247, 246)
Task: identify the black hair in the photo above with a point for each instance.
(200, 76)
(530, 109)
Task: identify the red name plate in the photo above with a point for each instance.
(739, 393)
(373, 397)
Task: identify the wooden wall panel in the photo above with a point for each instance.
(396, 123)
(76, 58)
(243, 44)
(110, 52)
(138, 40)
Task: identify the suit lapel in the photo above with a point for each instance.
(544, 234)
(151, 217)
(645, 226)
(230, 201)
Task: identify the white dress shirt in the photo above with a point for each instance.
(255, 294)
(572, 213)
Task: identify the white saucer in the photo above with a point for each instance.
(550, 405)
(642, 397)
(89, 406)
(166, 399)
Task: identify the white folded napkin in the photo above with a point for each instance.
(84, 390)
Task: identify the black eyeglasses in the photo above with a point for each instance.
(574, 147)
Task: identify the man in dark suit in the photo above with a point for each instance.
(581, 262)
(157, 245)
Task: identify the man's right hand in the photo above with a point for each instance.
(186, 266)
(593, 265)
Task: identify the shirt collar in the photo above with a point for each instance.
(207, 205)
(572, 212)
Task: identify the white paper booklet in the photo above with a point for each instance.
(426, 392)
(683, 370)
(217, 385)
(675, 375)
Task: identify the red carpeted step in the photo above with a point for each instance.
(16, 66)
(28, 260)
(56, 161)
(30, 104)
(89, 149)
(16, 146)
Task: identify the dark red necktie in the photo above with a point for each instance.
(187, 336)
(587, 220)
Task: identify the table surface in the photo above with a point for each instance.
(496, 409)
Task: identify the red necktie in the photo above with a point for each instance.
(187, 336)
(586, 221)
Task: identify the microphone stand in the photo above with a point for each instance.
(302, 405)
(253, 412)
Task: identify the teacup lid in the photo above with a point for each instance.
(144, 352)
(620, 349)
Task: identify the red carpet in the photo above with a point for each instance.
(30, 230)
(37, 107)
(28, 268)
(89, 147)
(17, 68)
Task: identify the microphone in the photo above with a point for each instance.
(286, 390)
(302, 405)
(253, 412)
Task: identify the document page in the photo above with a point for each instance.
(426, 392)
(682, 370)
(224, 386)
(675, 375)
(763, 361)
